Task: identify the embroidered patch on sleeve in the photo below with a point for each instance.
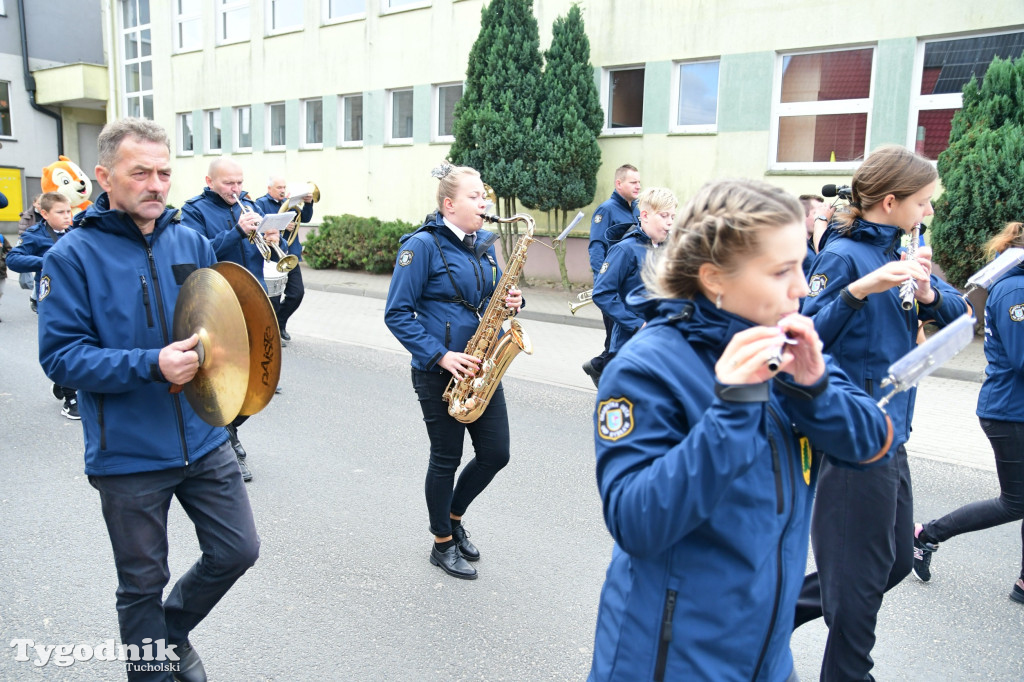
(598, 218)
(44, 287)
(817, 284)
(614, 418)
(405, 258)
(604, 268)
(1017, 313)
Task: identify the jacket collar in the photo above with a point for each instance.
(101, 216)
(636, 233)
(876, 234)
(622, 201)
(698, 319)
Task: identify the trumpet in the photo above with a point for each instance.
(583, 298)
(285, 261)
(295, 204)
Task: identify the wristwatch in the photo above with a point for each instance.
(820, 217)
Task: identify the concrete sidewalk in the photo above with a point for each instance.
(349, 307)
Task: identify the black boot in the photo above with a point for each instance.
(235, 443)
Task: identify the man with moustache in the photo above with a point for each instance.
(107, 296)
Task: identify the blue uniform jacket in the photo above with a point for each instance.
(106, 306)
(268, 204)
(614, 211)
(621, 274)
(27, 256)
(1002, 395)
(422, 308)
(865, 337)
(208, 214)
(707, 491)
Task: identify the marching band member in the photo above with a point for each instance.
(444, 276)
(622, 270)
(1001, 411)
(704, 460)
(862, 530)
(277, 192)
(106, 302)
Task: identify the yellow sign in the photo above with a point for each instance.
(10, 185)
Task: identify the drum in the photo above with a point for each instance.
(275, 280)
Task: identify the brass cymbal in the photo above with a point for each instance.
(264, 336)
(207, 306)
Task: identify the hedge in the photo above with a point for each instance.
(350, 242)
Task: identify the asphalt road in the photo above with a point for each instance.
(343, 589)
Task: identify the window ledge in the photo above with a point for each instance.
(311, 148)
(187, 50)
(399, 143)
(846, 171)
(692, 133)
(343, 20)
(350, 145)
(626, 132)
(284, 31)
(385, 11)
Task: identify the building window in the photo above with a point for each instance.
(821, 107)
(276, 126)
(136, 59)
(624, 99)
(312, 123)
(400, 114)
(343, 10)
(945, 66)
(445, 98)
(243, 129)
(351, 123)
(213, 140)
(284, 16)
(188, 25)
(232, 21)
(696, 97)
(6, 130)
(186, 145)
(387, 6)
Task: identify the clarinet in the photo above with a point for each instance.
(909, 286)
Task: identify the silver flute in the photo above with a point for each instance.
(909, 286)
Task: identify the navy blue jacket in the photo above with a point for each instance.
(707, 492)
(268, 204)
(614, 211)
(1002, 395)
(865, 337)
(106, 306)
(27, 256)
(211, 216)
(423, 309)
(622, 273)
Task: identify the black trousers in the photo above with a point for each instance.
(490, 436)
(135, 506)
(599, 361)
(1007, 439)
(294, 290)
(862, 533)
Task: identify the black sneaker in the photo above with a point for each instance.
(923, 559)
(70, 409)
(1017, 593)
(244, 468)
(594, 375)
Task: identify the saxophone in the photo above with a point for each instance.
(468, 398)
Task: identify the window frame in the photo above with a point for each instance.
(180, 19)
(342, 142)
(124, 61)
(386, 8)
(269, 133)
(435, 111)
(831, 107)
(268, 14)
(606, 86)
(180, 147)
(698, 128)
(220, 10)
(390, 117)
(952, 100)
(304, 142)
(326, 19)
(208, 125)
(236, 129)
(10, 111)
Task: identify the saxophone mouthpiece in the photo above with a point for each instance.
(489, 218)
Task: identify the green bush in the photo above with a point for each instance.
(349, 242)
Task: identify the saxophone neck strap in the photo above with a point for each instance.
(459, 298)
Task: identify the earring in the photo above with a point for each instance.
(718, 300)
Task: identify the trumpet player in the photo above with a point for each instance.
(226, 216)
(622, 271)
(294, 290)
(862, 528)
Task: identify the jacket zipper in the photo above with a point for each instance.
(666, 635)
(145, 301)
(103, 426)
(778, 548)
(176, 400)
(447, 334)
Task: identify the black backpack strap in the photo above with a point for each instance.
(459, 298)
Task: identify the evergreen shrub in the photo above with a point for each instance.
(349, 242)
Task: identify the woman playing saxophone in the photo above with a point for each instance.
(445, 274)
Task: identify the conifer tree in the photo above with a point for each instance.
(982, 170)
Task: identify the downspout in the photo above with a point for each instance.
(30, 81)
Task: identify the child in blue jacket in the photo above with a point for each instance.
(705, 463)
